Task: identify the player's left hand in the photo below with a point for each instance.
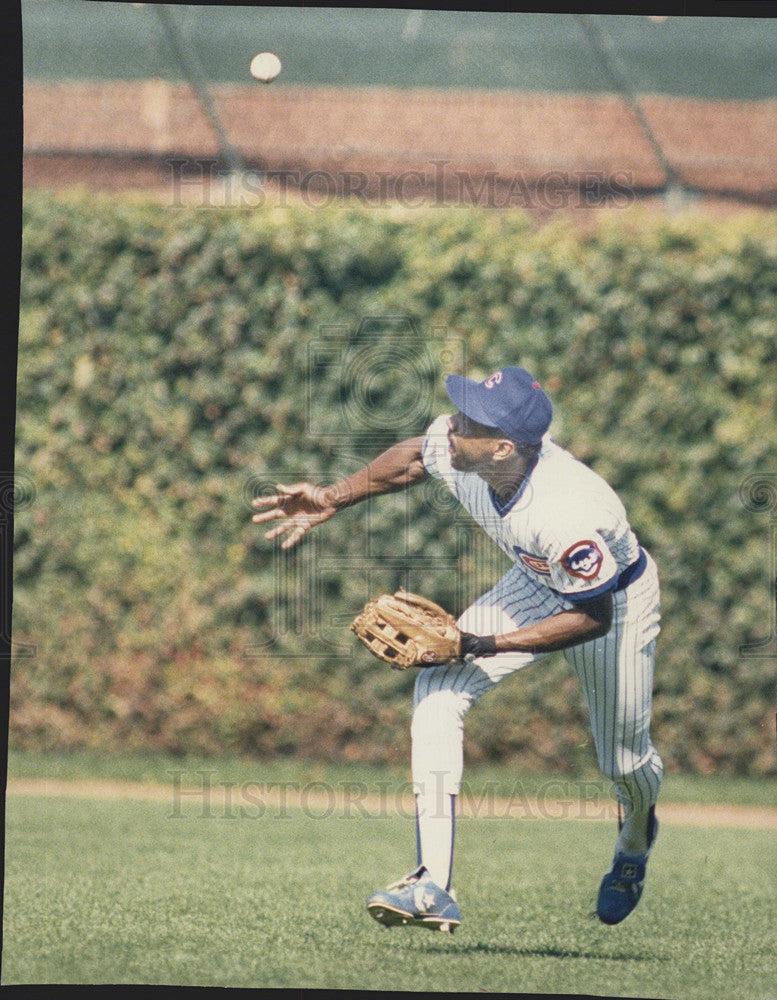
(301, 506)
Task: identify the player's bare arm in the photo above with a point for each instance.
(589, 620)
(301, 506)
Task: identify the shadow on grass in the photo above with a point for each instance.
(452, 947)
(549, 952)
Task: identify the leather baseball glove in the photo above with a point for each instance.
(407, 630)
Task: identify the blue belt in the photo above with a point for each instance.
(633, 572)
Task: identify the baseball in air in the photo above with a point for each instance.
(265, 66)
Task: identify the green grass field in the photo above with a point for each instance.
(107, 891)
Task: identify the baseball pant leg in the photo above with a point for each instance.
(616, 674)
(442, 697)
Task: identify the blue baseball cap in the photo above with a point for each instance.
(510, 400)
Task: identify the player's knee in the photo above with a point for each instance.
(439, 710)
(630, 770)
(614, 771)
(617, 766)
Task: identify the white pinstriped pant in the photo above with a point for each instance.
(615, 672)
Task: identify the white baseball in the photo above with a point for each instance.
(265, 66)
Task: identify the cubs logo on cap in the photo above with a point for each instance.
(583, 559)
(510, 400)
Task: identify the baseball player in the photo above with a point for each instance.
(580, 582)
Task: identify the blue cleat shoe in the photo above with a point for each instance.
(415, 900)
(621, 887)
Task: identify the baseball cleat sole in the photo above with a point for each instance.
(390, 917)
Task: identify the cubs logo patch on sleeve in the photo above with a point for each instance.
(583, 560)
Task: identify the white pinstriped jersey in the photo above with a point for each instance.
(565, 527)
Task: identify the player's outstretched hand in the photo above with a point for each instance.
(301, 505)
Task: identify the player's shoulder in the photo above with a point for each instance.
(556, 462)
(556, 465)
(563, 487)
(552, 451)
(436, 434)
(438, 428)
(434, 452)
